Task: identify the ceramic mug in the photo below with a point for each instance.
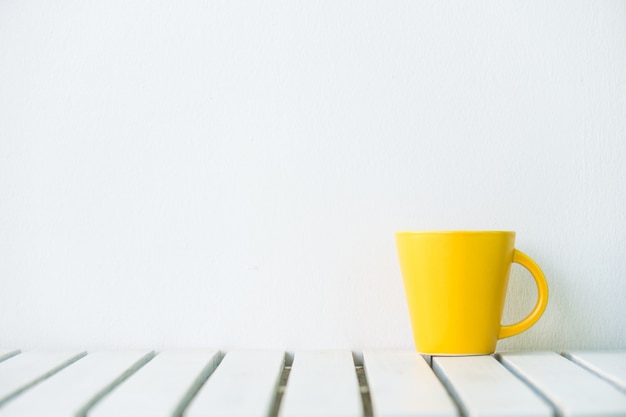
(456, 283)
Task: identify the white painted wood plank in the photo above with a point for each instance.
(244, 385)
(162, 387)
(74, 389)
(572, 389)
(610, 365)
(483, 387)
(25, 370)
(322, 384)
(8, 353)
(402, 384)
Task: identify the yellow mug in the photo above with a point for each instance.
(455, 284)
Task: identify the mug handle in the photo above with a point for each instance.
(542, 297)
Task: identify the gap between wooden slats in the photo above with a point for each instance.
(483, 387)
(244, 385)
(574, 391)
(76, 388)
(25, 370)
(401, 383)
(610, 365)
(280, 390)
(366, 400)
(8, 353)
(322, 383)
(163, 387)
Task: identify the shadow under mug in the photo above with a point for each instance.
(456, 283)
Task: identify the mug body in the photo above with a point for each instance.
(455, 284)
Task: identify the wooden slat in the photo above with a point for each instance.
(483, 387)
(74, 389)
(162, 387)
(322, 384)
(8, 353)
(25, 370)
(244, 385)
(401, 383)
(573, 390)
(610, 365)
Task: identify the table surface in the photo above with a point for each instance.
(239, 383)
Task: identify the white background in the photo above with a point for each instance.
(230, 174)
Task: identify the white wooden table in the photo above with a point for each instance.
(205, 382)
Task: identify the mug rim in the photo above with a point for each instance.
(450, 232)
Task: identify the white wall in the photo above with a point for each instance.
(230, 174)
